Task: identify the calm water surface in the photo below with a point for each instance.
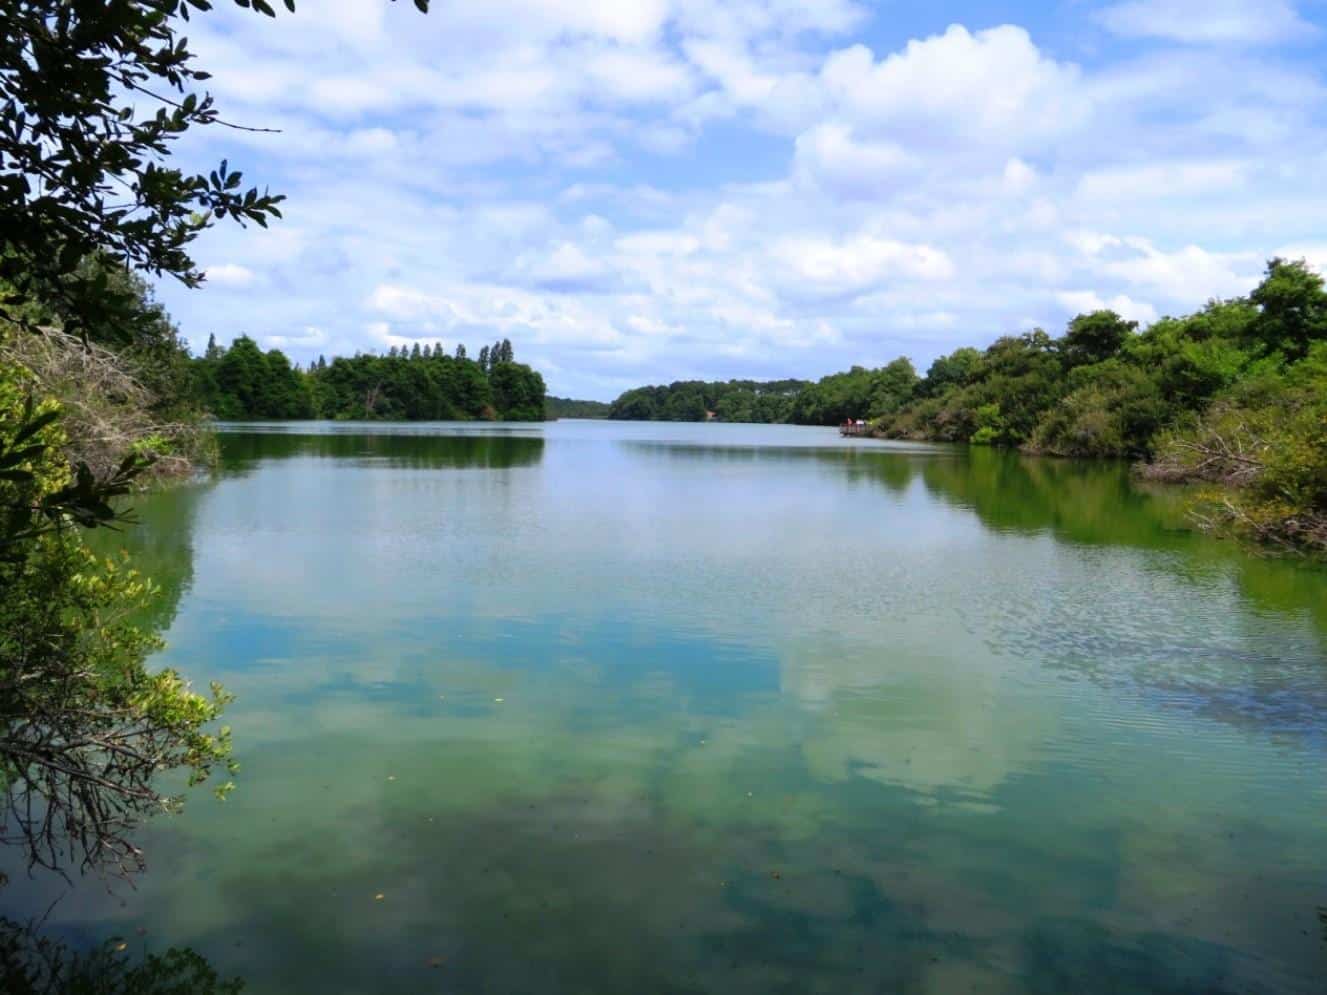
(637, 708)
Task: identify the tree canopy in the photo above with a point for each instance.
(418, 383)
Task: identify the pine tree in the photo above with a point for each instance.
(414, 352)
(506, 353)
(483, 359)
(391, 353)
(213, 350)
(460, 351)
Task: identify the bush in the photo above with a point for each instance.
(85, 727)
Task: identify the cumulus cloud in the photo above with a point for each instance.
(229, 275)
(1191, 273)
(857, 264)
(831, 157)
(638, 192)
(994, 86)
(1086, 301)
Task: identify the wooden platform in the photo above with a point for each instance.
(852, 428)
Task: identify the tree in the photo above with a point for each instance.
(460, 350)
(1293, 309)
(484, 358)
(1092, 338)
(518, 392)
(892, 388)
(91, 97)
(244, 380)
(84, 726)
(949, 372)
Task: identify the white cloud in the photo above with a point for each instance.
(1210, 22)
(857, 264)
(830, 157)
(991, 87)
(229, 275)
(675, 188)
(1315, 254)
(1191, 274)
(1162, 180)
(1087, 301)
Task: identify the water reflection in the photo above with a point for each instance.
(240, 452)
(741, 715)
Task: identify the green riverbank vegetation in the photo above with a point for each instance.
(97, 394)
(1233, 396)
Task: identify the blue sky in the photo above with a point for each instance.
(641, 192)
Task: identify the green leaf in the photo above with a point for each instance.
(17, 456)
(35, 426)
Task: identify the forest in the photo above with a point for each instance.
(697, 400)
(421, 383)
(566, 407)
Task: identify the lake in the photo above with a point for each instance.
(594, 707)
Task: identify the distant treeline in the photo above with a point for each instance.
(697, 400)
(566, 407)
(1234, 394)
(857, 393)
(422, 383)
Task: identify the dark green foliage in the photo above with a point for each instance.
(1095, 337)
(518, 391)
(566, 407)
(92, 95)
(859, 393)
(1233, 395)
(694, 400)
(1104, 389)
(949, 372)
(1111, 409)
(244, 382)
(1292, 310)
(411, 384)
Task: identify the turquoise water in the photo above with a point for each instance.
(617, 707)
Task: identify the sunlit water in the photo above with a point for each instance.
(636, 708)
